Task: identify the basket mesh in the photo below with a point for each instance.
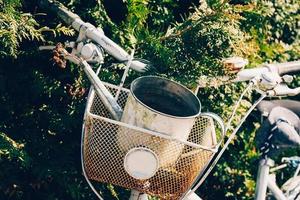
(104, 153)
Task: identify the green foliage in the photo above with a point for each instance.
(273, 24)
(194, 47)
(15, 26)
(11, 150)
(161, 15)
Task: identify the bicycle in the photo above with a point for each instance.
(278, 132)
(89, 49)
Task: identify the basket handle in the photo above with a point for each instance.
(219, 120)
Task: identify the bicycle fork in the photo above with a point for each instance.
(265, 180)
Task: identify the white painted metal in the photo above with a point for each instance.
(106, 97)
(125, 73)
(101, 90)
(216, 159)
(263, 178)
(277, 193)
(192, 196)
(151, 133)
(297, 171)
(249, 74)
(284, 90)
(141, 163)
(194, 145)
(136, 195)
(91, 53)
(87, 108)
(98, 36)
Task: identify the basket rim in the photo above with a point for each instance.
(213, 149)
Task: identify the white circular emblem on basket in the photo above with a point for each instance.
(141, 163)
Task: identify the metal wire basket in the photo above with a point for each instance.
(103, 154)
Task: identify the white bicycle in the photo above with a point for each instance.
(279, 131)
(153, 139)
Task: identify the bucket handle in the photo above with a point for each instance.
(220, 121)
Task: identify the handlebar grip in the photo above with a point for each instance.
(138, 66)
(280, 68)
(285, 68)
(67, 16)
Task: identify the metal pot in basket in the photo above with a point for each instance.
(163, 106)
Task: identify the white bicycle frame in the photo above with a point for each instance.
(267, 180)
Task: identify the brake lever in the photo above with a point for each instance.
(283, 90)
(272, 84)
(88, 51)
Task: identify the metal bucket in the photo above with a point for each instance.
(163, 106)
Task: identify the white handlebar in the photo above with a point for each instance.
(249, 74)
(287, 67)
(280, 68)
(93, 33)
(98, 36)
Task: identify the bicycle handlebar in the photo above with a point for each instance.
(93, 33)
(98, 36)
(288, 67)
(280, 68)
